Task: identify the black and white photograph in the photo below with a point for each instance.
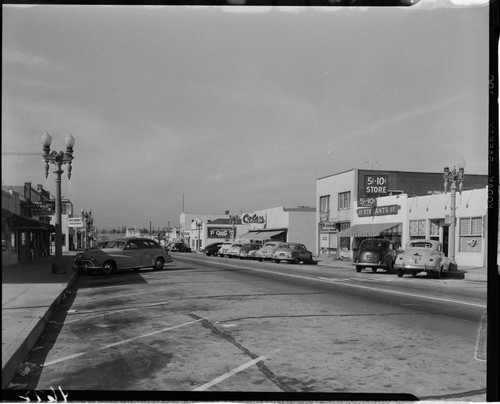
(235, 201)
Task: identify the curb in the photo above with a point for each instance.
(10, 367)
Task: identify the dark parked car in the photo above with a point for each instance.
(178, 247)
(212, 249)
(375, 253)
(124, 253)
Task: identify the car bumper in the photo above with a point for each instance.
(368, 264)
(85, 266)
(418, 268)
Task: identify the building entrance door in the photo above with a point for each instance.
(445, 239)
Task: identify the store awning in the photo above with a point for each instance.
(261, 235)
(371, 230)
(26, 223)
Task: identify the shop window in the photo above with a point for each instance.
(344, 242)
(417, 229)
(324, 203)
(344, 200)
(471, 230)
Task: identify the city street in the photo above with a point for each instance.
(211, 324)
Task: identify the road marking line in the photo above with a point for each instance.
(66, 358)
(350, 285)
(407, 294)
(229, 374)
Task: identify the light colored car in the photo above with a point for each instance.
(266, 252)
(249, 250)
(293, 253)
(422, 256)
(224, 248)
(123, 253)
(234, 250)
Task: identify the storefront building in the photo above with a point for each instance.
(280, 223)
(357, 204)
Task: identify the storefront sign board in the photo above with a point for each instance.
(378, 211)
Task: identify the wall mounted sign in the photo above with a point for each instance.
(75, 222)
(247, 218)
(379, 211)
(376, 185)
(220, 232)
(328, 227)
(367, 202)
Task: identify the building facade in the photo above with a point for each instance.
(398, 205)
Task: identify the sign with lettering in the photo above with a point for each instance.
(367, 202)
(220, 232)
(75, 222)
(328, 227)
(323, 216)
(247, 218)
(376, 185)
(379, 211)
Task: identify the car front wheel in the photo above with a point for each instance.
(159, 262)
(108, 267)
(358, 269)
(400, 273)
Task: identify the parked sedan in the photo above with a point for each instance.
(178, 247)
(293, 253)
(224, 247)
(234, 250)
(422, 256)
(375, 253)
(266, 252)
(248, 250)
(124, 253)
(212, 249)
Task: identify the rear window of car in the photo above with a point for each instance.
(420, 245)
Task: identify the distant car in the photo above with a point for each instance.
(248, 250)
(124, 253)
(375, 253)
(293, 253)
(266, 252)
(212, 249)
(234, 250)
(178, 247)
(422, 256)
(224, 247)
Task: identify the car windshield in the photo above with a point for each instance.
(421, 244)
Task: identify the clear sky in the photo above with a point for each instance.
(237, 109)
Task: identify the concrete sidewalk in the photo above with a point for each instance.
(30, 294)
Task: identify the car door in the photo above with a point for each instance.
(148, 250)
(132, 254)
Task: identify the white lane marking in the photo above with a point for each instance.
(320, 279)
(125, 341)
(407, 294)
(229, 374)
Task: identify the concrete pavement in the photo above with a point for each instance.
(31, 294)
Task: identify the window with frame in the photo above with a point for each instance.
(344, 200)
(471, 234)
(417, 229)
(324, 203)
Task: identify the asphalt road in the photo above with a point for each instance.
(209, 324)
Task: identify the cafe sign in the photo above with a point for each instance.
(248, 218)
(379, 211)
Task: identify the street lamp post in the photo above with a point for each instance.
(233, 222)
(198, 226)
(453, 179)
(58, 159)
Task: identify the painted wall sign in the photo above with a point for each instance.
(379, 211)
(220, 232)
(376, 185)
(248, 218)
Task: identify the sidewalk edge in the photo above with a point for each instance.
(10, 366)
